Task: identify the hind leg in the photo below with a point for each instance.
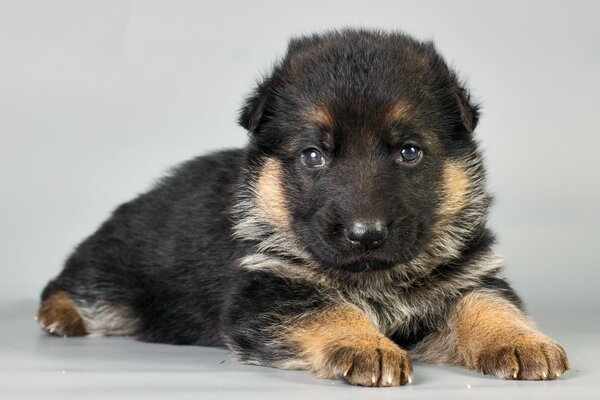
(62, 314)
(59, 316)
(88, 298)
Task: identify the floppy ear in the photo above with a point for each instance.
(469, 111)
(254, 111)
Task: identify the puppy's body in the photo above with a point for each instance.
(348, 233)
(151, 265)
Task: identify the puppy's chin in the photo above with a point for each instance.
(355, 263)
(365, 266)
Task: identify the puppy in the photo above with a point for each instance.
(346, 239)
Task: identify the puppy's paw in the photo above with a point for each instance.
(526, 357)
(58, 316)
(369, 362)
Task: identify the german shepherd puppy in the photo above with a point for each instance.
(348, 237)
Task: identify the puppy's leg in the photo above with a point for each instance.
(340, 342)
(65, 314)
(59, 316)
(278, 323)
(489, 334)
(89, 298)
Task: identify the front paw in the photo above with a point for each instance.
(525, 357)
(369, 362)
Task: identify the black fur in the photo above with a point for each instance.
(176, 256)
(167, 254)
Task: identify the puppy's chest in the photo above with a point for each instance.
(399, 311)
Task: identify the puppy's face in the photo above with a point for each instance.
(360, 185)
(364, 137)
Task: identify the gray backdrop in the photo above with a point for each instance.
(98, 99)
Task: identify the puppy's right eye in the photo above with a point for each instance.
(312, 158)
(411, 154)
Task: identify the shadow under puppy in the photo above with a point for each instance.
(348, 234)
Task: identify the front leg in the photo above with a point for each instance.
(489, 334)
(278, 323)
(340, 342)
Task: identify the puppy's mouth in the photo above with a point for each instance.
(368, 262)
(373, 260)
(366, 265)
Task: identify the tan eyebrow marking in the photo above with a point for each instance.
(401, 112)
(322, 116)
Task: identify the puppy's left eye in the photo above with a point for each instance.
(411, 153)
(313, 158)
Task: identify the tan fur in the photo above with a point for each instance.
(463, 190)
(490, 335)
(270, 198)
(455, 187)
(343, 343)
(59, 316)
(483, 320)
(392, 298)
(463, 209)
(322, 117)
(400, 112)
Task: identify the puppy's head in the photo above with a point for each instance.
(364, 151)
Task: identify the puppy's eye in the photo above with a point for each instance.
(411, 153)
(313, 158)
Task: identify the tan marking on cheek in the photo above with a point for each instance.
(448, 231)
(455, 189)
(59, 316)
(270, 197)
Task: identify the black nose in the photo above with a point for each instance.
(366, 234)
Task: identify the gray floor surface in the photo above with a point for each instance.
(36, 366)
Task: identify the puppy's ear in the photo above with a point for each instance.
(459, 96)
(255, 109)
(469, 111)
(258, 105)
